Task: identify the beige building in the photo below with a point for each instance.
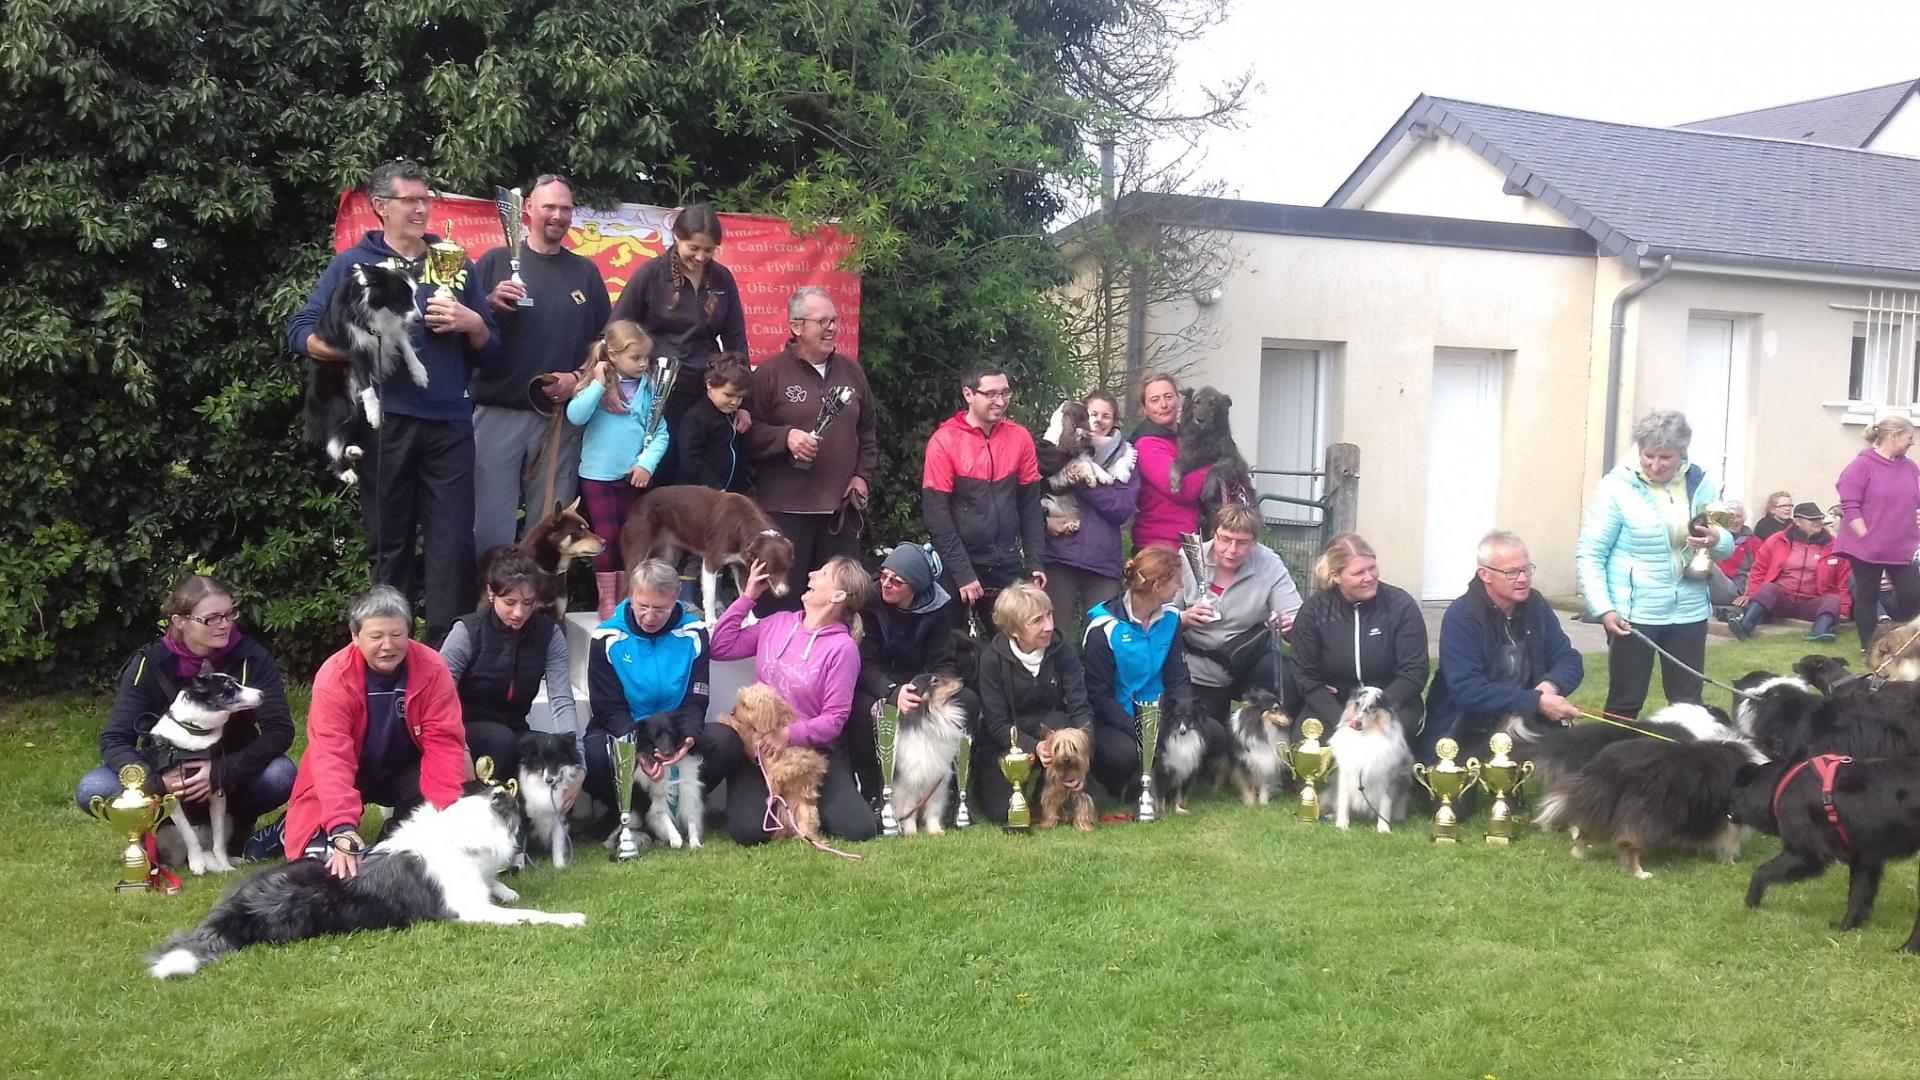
(1452, 310)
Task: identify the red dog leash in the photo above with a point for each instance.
(1824, 766)
(159, 878)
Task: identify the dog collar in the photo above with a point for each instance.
(186, 726)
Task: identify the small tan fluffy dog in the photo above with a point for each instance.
(1895, 654)
(794, 773)
(1071, 751)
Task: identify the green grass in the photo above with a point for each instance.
(1230, 941)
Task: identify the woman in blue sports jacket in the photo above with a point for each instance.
(1133, 653)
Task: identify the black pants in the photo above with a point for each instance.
(1866, 595)
(814, 542)
(425, 479)
(843, 813)
(863, 751)
(1630, 666)
(689, 387)
(992, 579)
(1267, 672)
(500, 742)
(1115, 773)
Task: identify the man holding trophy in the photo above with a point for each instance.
(550, 304)
(814, 441)
(420, 471)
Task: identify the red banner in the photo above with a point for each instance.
(768, 259)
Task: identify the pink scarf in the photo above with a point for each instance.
(190, 661)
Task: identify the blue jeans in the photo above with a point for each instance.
(252, 796)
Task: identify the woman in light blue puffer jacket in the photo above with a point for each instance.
(1636, 537)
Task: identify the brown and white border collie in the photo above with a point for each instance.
(721, 527)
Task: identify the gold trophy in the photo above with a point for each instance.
(1311, 761)
(1446, 781)
(1500, 775)
(1148, 713)
(513, 224)
(1016, 767)
(446, 266)
(621, 758)
(1700, 563)
(961, 766)
(132, 815)
(886, 733)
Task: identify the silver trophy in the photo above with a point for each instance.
(621, 756)
(662, 373)
(830, 405)
(513, 222)
(1149, 714)
(886, 733)
(962, 819)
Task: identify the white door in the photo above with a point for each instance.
(1290, 430)
(1463, 467)
(1715, 402)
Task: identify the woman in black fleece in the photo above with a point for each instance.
(1357, 631)
(1028, 679)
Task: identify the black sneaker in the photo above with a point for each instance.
(266, 843)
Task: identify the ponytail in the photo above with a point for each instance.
(1340, 551)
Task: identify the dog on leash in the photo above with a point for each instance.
(923, 752)
(794, 773)
(722, 528)
(368, 318)
(190, 729)
(1063, 794)
(1260, 727)
(550, 766)
(1894, 653)
(666, 780)
(1188, 739)
(439, 865)
(1788, 720)
(1206, 442)
(1373, 768)
(557, 539)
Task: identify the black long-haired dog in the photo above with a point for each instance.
(368, 318)
(1187, 740)
(1206, 442)
(1788, 720)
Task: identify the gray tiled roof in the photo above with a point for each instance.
(1841, 120)
(1697, 194)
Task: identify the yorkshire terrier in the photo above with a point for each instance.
(1069, 753)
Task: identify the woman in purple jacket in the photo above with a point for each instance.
(1083, 560)
(1879, 496)
(812, 660)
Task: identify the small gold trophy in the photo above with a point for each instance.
(1311, 761)
(1446, 781)
(446, 266)
(1500, 776)
(132, 815)
(1149, 714)
(1016, 767)
(961, 766)
(886, 733)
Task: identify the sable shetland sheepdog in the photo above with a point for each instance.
(1648, 794)
(794, 773)
(722, 528)
(553, 543)
(666, 781)
(1894, 654)
(1188, 738)
(368, 318)
(191, 728)
(439, 865)
(923, 753)
(1071, 752)
(1259, 729)
(1373, 768)
(549, 766)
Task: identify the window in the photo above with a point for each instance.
(1883, 367)
(1293, 408)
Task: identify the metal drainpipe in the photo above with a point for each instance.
(1616, 347)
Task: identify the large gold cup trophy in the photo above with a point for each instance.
(1312, 761)
(1500, 775)
(1016, 767)
(1446, 781)
(132, 815)
(446, 267)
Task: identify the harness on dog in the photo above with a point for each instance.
(1824, 766)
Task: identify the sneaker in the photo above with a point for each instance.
(1820, 638)
(267, 843)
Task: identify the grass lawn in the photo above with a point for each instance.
(1231, 941)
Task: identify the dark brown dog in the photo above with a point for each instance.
(722, 528)
(553, 543)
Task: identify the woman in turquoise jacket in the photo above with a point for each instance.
(1637, 537)
(620, 450)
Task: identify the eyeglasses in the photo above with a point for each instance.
(997, 395)
(826, 321)
(652, 609)
(1511, 573)
(218, 618)
(417, 200)
(888, 577)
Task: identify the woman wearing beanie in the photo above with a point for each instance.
(906, 631)
(1879, 494)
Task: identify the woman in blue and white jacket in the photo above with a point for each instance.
(1633, 545)
(1133, 654)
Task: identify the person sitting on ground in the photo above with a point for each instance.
(1357, 631)
(1228, 622)
(498, 657)
(1797, 576)
(1779, 515)
(1502, 652)
(1728, 578)
(249, 762)
(384, 727)
(1133, 655)
(1028, 680)
(811, 660)
(906, 633)
(650, 658)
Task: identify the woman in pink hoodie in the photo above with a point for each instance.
(1164, 513)
(812, 660)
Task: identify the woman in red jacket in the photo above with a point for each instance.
(1796, 575)
(384, 727)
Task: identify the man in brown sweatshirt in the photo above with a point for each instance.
(804, 479)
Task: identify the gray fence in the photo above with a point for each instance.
(1305, 509)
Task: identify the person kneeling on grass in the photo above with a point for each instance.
(384, 728)
(1029, 679)
(1796, 575)
(1134, 654)
(499, 656)
(812, 660)
(650, 658)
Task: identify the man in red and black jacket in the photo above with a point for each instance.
(980, 495)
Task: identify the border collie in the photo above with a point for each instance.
(368, 317)
(1373, 766)
(666, 780)
(549, 766)
(1788, 720)
(722, 528)
(190, 729)
(440, 865)
(1260, 727)
(1187, 739)
(1559, 750)
(553, 542)
(925, 749)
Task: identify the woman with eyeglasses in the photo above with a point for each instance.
(1356, 631)
(650, 659)
(249, 763)
(905, 631)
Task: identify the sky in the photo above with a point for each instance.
(1333, 77)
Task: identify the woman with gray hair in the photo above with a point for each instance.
(650, 659)
(384, 727)
(1638, 536)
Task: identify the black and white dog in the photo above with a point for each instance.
(1188, 738)
(1069, 452)
(549, 767)
(666, 780)
(368, 318)
(192, 727)
(924, 751)
(1259, 729)
(440, 865)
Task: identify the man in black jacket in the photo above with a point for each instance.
(908, 633)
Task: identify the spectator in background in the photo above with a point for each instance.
(1083, 560)
(1728, 578)
(1778, 515)
(1797, 576)
(1879, 497)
